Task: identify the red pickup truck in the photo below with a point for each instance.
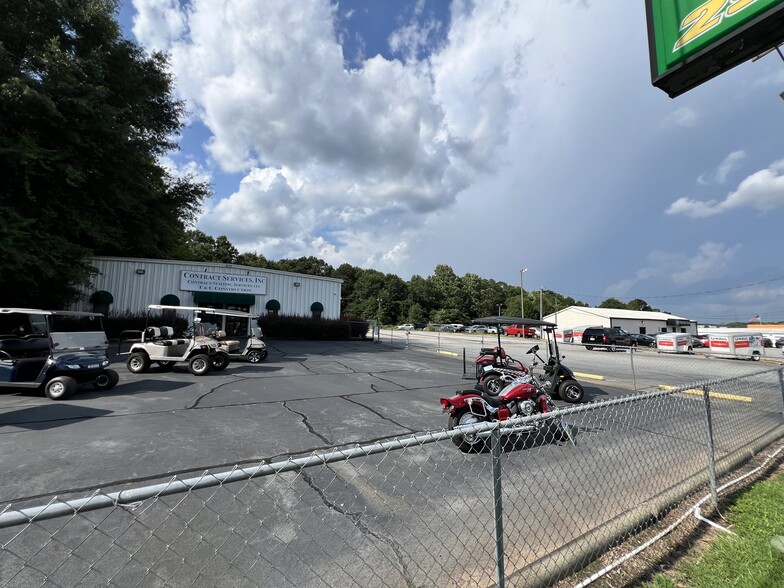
(520, 331)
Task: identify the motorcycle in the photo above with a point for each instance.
(558, 379)
(495, 369)
(523, 397)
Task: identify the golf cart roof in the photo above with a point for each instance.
(48, 312)
(202, 309)
(512, 320)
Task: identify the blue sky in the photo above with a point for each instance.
(483, 135)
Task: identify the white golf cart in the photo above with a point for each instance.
(239, 345)
(160, 345)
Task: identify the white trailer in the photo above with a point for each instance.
(673, 343)
(737, 344)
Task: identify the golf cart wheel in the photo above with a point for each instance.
(571, 391)
(200, 364)
(138, 363)
(221, 361)
(107, 380)
(493, 385)
(254, 356)
(60, 387)
(166, 365)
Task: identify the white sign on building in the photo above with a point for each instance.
(195, 281)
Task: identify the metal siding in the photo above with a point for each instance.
(133, 292)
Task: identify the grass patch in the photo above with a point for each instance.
(743, 561)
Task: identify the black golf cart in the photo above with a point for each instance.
(53, 350)
(558, 379)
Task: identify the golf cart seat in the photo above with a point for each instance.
(25, 347)
(230, 345)
(162, 336)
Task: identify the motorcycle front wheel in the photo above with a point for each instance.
(469, 443)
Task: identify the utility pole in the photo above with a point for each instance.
(541, 317)
(522, 293)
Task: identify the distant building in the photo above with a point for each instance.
(631, 321)
(129, 284)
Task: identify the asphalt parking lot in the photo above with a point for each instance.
(311, 397)
(307, 396)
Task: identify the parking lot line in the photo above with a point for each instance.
(589, 376)
(720, 395)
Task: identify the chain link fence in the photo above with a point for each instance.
(415, 511)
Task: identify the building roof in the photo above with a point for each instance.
(620, 313)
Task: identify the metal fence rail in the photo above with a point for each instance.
(409, 512)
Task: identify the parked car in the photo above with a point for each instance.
(405, 327)
(520, 331)
(643, 340)
(607, 337)
(699, 341)
(476, 329)
(448, 328)
(779, 342)
(492, 329)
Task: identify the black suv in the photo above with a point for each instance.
(608, 338)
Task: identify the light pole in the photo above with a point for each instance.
(522, 294)
(540, 303)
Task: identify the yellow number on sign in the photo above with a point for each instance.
(737, 5)
(700, 20)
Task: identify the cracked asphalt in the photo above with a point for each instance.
(307, 396)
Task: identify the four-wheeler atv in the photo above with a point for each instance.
(53, 350)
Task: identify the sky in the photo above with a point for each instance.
(489, 136)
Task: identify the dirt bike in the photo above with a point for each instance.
(495, 369)
(525, 396)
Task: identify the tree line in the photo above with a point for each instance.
(85, 116)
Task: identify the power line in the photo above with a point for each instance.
(683, 295)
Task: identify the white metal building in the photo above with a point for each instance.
(631, 321)
(127, 284)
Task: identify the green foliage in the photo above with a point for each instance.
(84, 116)
(300, 327)
(747, 559)
(116, 323)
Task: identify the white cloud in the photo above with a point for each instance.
(387, 143)
(762, 190)
(726, 167)
(685, 116)
(710, 260)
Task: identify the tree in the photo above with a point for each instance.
(311, 265)
(612, 303)
(84, 117)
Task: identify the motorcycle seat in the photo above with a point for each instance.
(493, 401)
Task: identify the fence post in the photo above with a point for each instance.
(634, 376)
(498, 510)
(408, 335)
(464, 363)
(711, 454)
(781, 381)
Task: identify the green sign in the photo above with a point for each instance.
(692, 41)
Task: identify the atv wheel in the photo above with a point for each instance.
(200, 364)
(493, 385)
(60, 388)
(138, 363)
(106, 381)
(571, 391)
(466, 443)
(221, 361)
